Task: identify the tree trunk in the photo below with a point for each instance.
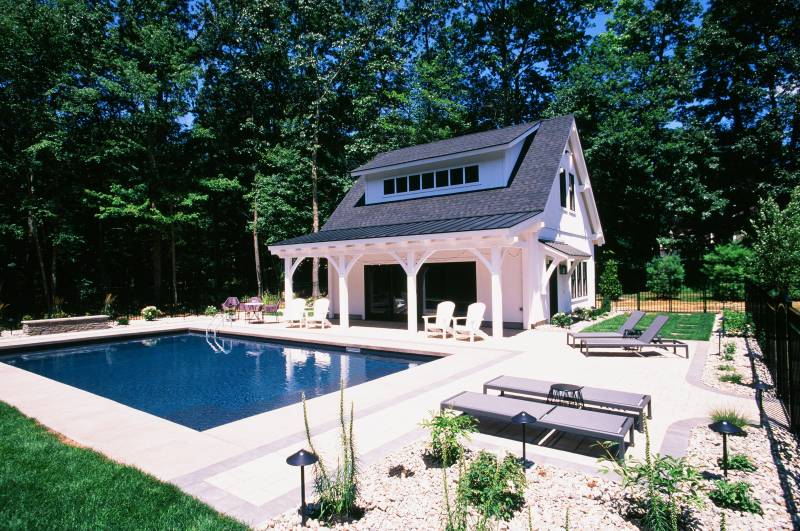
(156, 256)
(34, 234)
(174, 266)
(256, 252)
(53, 259)
(314, 203)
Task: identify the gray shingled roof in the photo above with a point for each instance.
(442, 226)
(527, 192)
(450, 146)
(566, 249)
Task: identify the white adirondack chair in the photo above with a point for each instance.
(295, 312)
(472, 323)
(442, 319)
(319, 316)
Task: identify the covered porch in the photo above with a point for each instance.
(507, 269)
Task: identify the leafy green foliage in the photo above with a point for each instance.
(665, 275)
(211, 311)
(726, 268)
(338, 489)
(46, 484)
(731, 415)
(731, 377)
(730, 347)
(734, 495)
(123, 321)
(726, 367)
(150, 313)
(561, 320)
(737, 323)
(739, 462)
(495, 488)
(776, 260)
(662, 488)
(448, 433)
(609, 285)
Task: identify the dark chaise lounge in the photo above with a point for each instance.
(592, 424)
(648, 339)
(591, 396)
(626, 327)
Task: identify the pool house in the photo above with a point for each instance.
(505, 217)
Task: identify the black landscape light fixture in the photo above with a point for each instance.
(302, 459)
(760, 387)
(725, 428)
(523, 419)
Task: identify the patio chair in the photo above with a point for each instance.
(252, 308)
(472, 323)
(230, 307)
(622, 331)
(442, 319)
(271, 309)
(590, 396)
(593, 424)
(295, 312)
(648, 339)
(319, 316)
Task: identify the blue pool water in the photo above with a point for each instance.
(182, 378)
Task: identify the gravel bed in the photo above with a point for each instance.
(416, 502)
(705, 449)
(740, 363)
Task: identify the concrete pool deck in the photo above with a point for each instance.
(239, 468)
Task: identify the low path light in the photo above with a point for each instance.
(523, 419)
(302, 459)
(760, 387)
(725, 428)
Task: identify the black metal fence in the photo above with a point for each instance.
(709, 298)
(777, 327)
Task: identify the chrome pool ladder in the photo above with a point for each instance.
(212, 337)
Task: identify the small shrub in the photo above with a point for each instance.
(726, 367)
(561, 320)
(150, 313)
(738, 324)
(731, 415)
(730, 348)
(731, 377)
(662, 488)
(27, 317)
(734, 495)
(739, 462)
(609, 285)
(495, 488)
(448, 432)
(727, 357)
(123, 321)
(210, 310)
(582, 314)
(665, 275)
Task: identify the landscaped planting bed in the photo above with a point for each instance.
(416, 502)
(721, 370)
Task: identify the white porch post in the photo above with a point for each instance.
(411, 266)
(344, 300)
(288, 272)
(497, 292)
(343, 266)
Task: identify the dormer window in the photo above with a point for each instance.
(446, 178)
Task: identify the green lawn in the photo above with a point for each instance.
(46, 484)
(692, 326)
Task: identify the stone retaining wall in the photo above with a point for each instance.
(68, 324)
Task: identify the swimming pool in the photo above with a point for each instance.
(185, 379)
